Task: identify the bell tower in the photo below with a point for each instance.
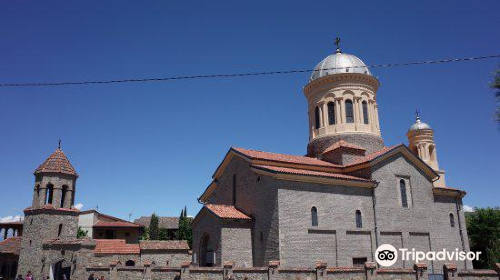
(342, 106)
(51, 215)
(421, 142)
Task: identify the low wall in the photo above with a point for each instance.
(116, 271)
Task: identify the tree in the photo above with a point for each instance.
(185, 232)
(483, 227)
(496, 86)
(145, 234)
(81, 233)
(163, 234)
(154, 231)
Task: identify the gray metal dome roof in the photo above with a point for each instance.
(419, 125)
(338, 63)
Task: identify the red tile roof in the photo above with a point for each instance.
(253, 154)
(11, 245)
(115, 246)
(373, 155)
(309, 173)
(117, 224)
(57, 163)
(226, 212)
(343, 144)
(164, 245)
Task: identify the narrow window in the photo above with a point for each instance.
(49, 193)
(261, 236)
(359, 220)
(314, 217)
(234, 189)
(316, 118)
(331, 113)
(404, 197)
(452, 220)
(130, 263)
(349, 112)
(365, 112)
(37, 194)
(359, 262)
(63, 195)
(60, 230)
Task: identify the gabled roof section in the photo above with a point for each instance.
(267, 158)
(343, 144)
(226, 212)
(285, 170)
(388, 152)
(115, 247)
(11, 245)
(57, 162)
(302, 160)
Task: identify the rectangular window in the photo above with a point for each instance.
(359, 262)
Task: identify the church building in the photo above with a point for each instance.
(349, 194)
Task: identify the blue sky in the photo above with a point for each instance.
(148, 147)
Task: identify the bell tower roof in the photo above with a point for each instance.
(419, 125)
(57, 162)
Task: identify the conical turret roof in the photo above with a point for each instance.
(57, 163)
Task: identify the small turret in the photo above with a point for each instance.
(421, 142)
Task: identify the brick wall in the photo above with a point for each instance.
(275, 272)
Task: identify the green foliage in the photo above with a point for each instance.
(496, 86)
(145, 234)
(163, 235)
(185, 232)
(154, 231)
(483, 227)
(81, 233)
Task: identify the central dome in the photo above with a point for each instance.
(339, 63)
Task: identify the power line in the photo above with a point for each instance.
(398, 64)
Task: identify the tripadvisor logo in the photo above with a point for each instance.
(387, 255)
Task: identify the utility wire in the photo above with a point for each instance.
(245, 74)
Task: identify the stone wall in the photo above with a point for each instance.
(116, 271)
(40, 225)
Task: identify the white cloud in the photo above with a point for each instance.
(79, 206)
(11, 219)
(468, 208)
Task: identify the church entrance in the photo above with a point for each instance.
(61, 270)
(207, 255)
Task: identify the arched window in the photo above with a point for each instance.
(60, 230)
(49, 194)
(359, 219)
(316, 118)
(64, 193)
(404, 196)
(365, 112)
(432, 153)
(331, 112)
(349, 111)
(130, 263)
(452, 220)
(314, 217)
